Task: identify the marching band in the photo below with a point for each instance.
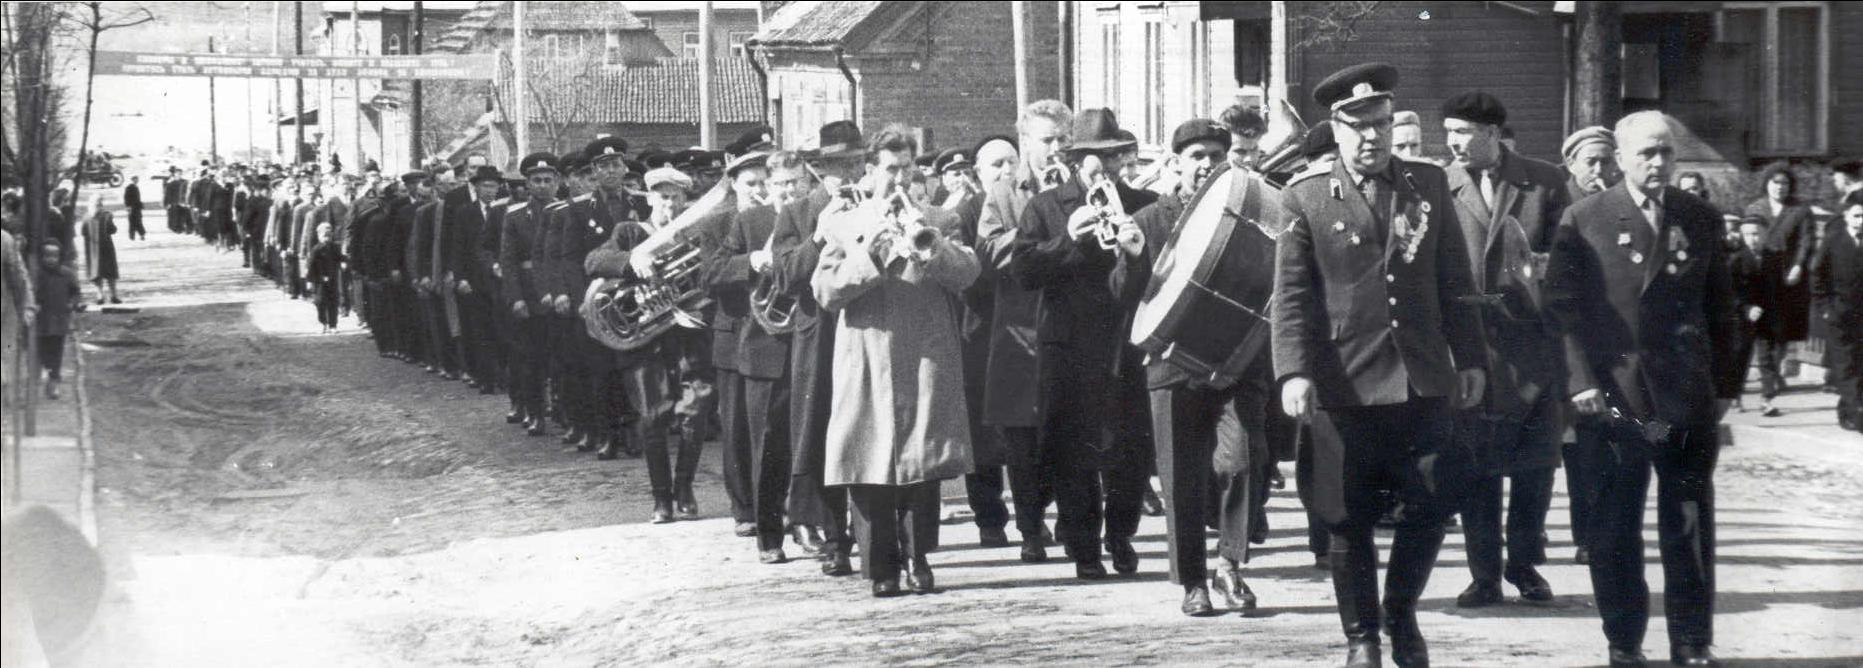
(858, 321)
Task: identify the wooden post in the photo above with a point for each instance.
(1018, 31)
(1598, 67)
(297, 150)
(414, 119)
(520, 94)
(708, 131)
(213, 121)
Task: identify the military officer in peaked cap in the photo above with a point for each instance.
(1375, 325)
(521, 288)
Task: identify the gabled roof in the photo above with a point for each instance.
(572, 16)
(820, 23)
(459, 38)
(666, 92)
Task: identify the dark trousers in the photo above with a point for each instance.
(431, 323)
(1772, 356)
(1581, 458)
(1845, 351)
(326, 302)
(984, 492)
(894, 525)
(1684, 471)
(1404, 453)
(406, 311)
(1528, 498)
(811, 354)
(293, 282)
(1319, 538)
(1207, 443)
(1031, 484)
(528, 340)
(136, 230)
(52, 355)
(649, 393)
(177, 217)
(736, 460)
(766, 413)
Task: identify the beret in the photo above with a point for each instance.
(1359, 83)
(1475, 107)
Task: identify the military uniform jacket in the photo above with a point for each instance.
(760, 354)
(517, 249)
(590, 222)
(547, 256)
(1507, 249)
(1648, 319)
(1370, 296)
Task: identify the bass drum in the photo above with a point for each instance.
(1206, 306)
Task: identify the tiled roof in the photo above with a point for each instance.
(584, 16)
(469, 26)
(666, 92)
(815, 22)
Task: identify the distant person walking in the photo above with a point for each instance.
(1786, 252)
(100, 246)
(132, 200)
(58, 295)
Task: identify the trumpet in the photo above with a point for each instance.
(1104, 198)
(903, 218)
(1055, 174)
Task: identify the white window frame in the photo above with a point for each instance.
(1769, 71)
(736, 40)
(689, 44)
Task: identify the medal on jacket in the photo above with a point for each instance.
(1636, 257)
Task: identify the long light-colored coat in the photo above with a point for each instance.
(898, 414)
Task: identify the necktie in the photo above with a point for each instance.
(1652, 212)
(1487, 188)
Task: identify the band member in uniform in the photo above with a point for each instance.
(1196, 425)
(983, 488)
(592, 222)
(762, 356)
(520, 287)
(1388, 360)
(815, 508)
(567, 389)
(898, 426)
(1639, 285)
(1012, 385)
(1508, 205)
(1097, 451)
(468, 225)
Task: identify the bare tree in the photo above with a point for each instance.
(1332, 23)
(93, 19)
(565, 92)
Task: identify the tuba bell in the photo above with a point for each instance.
(772, 308)
(1281, 145)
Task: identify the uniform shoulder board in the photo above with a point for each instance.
(584, 197)
(1421, 164)
(515, 207)
(556, 205)
(1317, 168)
(502, 201)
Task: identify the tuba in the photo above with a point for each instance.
(1281, 146)
(666, 289)
(773, 309)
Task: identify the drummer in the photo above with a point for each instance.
(1197, 423)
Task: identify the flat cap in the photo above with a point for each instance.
(605, 148)
(1197, 130)
(1596, 134)
(539, 161)
(1364, 82)
(757, 139)
(746, 161)
(661, 176)
(1476, 107)
(951, 159)
(484, 173)
(414, 176)
(840, 139)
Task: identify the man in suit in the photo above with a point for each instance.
(820, 512)
(132, 199)
(1508, 205)
(174, 199)
(1639, 285)
(520, 290)
(1372, 317)
(1837, 283)
(430, 321)
(473, 281)
(1590, 166)
(1209, 434)
(1093, 446)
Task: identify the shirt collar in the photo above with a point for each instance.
(1637, 195)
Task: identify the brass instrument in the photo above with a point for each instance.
(625, 314)
(1282, 145)
(903, 218)
(1055, 174)
(1104, 198)
(773, 309)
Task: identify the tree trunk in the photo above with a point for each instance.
(1598, 68)
(84, 132)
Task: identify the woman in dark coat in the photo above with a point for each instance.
(99, 230)
(1785, 254)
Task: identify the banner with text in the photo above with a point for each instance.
(424, 66)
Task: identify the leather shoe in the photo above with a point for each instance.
(1235, 590)
(1692, 655)
(837, 563)
(1627, 657)
(1533, 588)
(1408, 650)
(1033, 552)
(514, 417)
(662, 512)
(608, 452)
(1582, 555)
(1151, 505)
(573, 435)
(772, 556)
(745, 529)
(1197, 601)
(687, 505)
(1479, 594)
(886, 588)
(992, 537)
(919, 577)
(807, 539)
(1089, 569)
(587, 443)
(536, 428)
(1364, 654)
(1125, 559)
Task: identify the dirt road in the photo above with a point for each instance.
(271, 496)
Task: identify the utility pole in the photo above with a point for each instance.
(520, 87)
(355, 86)
(1598, 68)
(707, 131)
(414, 119)
(297, 150)
(248, 48)
(213, 116)
(1019, 39)
(278, 95)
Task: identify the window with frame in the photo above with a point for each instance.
(551, 44)
(394, 45)
(1110, 57)
(1154, 80)
(611, 48)
(737, 40)
(689, 45)
(1790, 54)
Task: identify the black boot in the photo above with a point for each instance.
(1355, 588)
(1413, 556)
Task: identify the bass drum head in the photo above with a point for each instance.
(1173, 275)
